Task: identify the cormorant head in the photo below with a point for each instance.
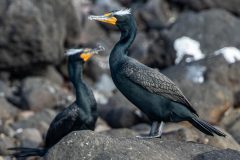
(82, 54)
(123, 19)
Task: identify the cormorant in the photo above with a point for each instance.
(151, 91)
(80, 115)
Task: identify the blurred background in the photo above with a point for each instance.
(194, 42)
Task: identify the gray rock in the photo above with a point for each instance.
(213, 29)
(88, 145)
(226, 154)
(50, 73)
(119, 112)
(7, 110)
(40, 120)
(230, 5)
(29, 137)
(33, 32)
(234, 130)
(38, 93)
(5, 142)
(119, 133)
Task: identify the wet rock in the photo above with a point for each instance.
(29, 137)
(5, 142)
(40, 120)
(34, 32)
(230, 5)
(228, 154)
(38, 93)
(7, 110)
(89, 145)
(119, 112)
(204, 27)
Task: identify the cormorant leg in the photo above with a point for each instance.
(154, 128)
(160, 129)
(153, 131)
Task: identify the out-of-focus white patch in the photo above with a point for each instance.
(187, 46)
(100, 97)
(231, 54)
(196, 73)
(73, 51)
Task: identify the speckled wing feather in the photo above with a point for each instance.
(154, 82)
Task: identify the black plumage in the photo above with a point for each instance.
(152, 92)
(80, 115)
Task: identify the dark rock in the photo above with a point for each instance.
(226, 154)
(119, 112)
(29, 137)
(230, 5)
(89, 145)
(40, 120)
(205, 27)
(7, 110)
(38, 93)
(33, 32)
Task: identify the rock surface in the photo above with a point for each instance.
(33, 32)
(88, 145)
(230, 5)
(226, 154)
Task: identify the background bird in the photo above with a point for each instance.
(152, 92)
(80, 115)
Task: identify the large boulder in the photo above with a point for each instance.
(34, 32)
(213, 29)
(38, 93)
(230, 5)
(89, 145)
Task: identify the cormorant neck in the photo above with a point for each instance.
(75, 70)
(128, 35)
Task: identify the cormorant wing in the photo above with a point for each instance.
(155, 82)
(60, 126)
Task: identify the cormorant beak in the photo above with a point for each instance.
(88, 53)
(106, 18)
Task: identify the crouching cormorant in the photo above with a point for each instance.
(152, 92)
(80, 115)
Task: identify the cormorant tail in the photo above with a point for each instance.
(27, 152)
(205, 127)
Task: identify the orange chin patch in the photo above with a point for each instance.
(86, 56)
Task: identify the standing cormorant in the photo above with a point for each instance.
(152, 92)
(80, 115)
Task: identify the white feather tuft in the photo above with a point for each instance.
(122, 12)
(73, 51)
